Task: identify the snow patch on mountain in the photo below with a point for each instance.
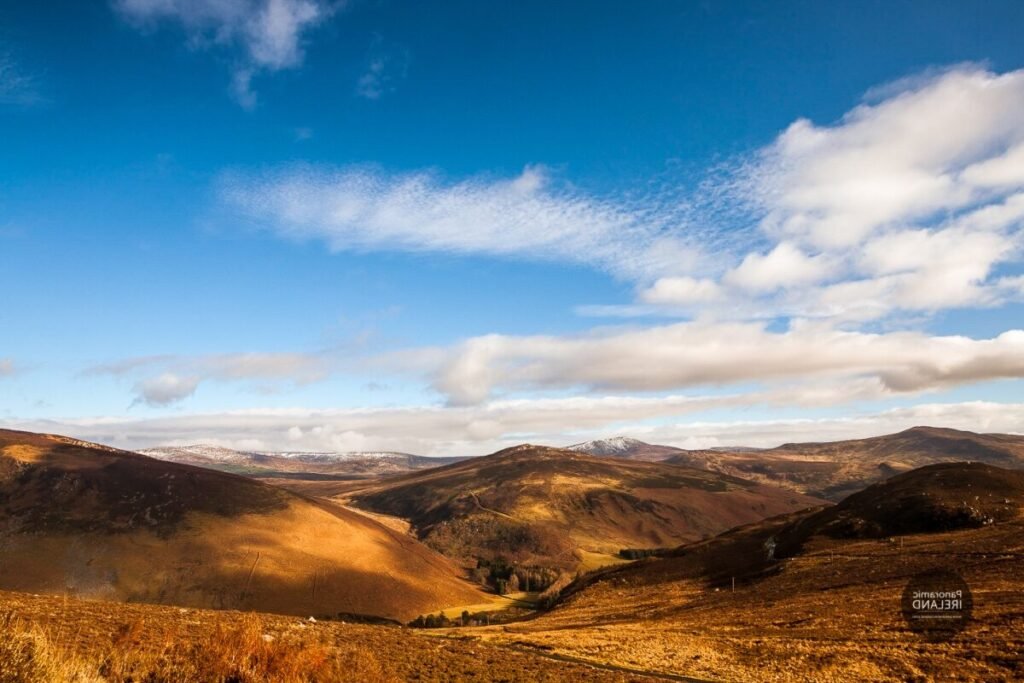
(616, 445)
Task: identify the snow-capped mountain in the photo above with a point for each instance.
(331, 456)
(196, 452)
(292, 463)
(626, 448)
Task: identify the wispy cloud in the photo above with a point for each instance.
(167, 379)
(530, 216)
(911, 203)
(386, 65)
(265, 35)
(6, 367)
(17, 87)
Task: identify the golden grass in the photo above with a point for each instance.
(93, 641)
(590, 561)
(819, 617)
(239, 651)
(496, 603)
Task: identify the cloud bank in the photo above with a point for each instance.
(475, 431)
(671, 357)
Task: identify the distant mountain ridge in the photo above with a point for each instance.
(835, 469)
(268, 464)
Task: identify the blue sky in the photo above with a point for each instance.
(449, 227)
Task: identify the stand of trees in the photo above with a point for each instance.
(465, 619)
(505, 578)
(639, 553)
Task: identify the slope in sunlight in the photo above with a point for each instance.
(101, 522)
(825, 604)
(547, 506)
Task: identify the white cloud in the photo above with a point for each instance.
(884, 164)
(484, 429)
(268, 32)
(681, 291)
(910, 203)
(165, 389)
(671, 357)
(784, 266)
(6, 367)
(528, 216)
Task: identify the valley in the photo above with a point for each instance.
(507, 565)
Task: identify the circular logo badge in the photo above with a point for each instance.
(937, 605)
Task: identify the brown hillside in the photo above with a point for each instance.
(538, 505)
(100, 522)
(833, 470)
(827, 606)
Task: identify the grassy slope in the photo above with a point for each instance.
(541, 505)
(201, 646)
(828, 608)
(109, 524)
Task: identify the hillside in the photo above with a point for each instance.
(835, 469)
(552, 507)
(99, 522)
(625, 448)
(827, 605)
(51, 639)
(326, 466)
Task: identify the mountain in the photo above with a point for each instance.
(100, 522)
(835, 469)
(552, 507)
(297, 465)
(826, 604)
(626, 448)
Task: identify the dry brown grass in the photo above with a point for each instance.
(29, 655)
(830, 614)
(237, 652)
(108, 642)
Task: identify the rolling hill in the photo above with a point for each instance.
(826, 605)
(836, 469)
(99, 522)
(551, 507)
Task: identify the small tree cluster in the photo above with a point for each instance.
(506, 578)
(441, 621)
(638, 553)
